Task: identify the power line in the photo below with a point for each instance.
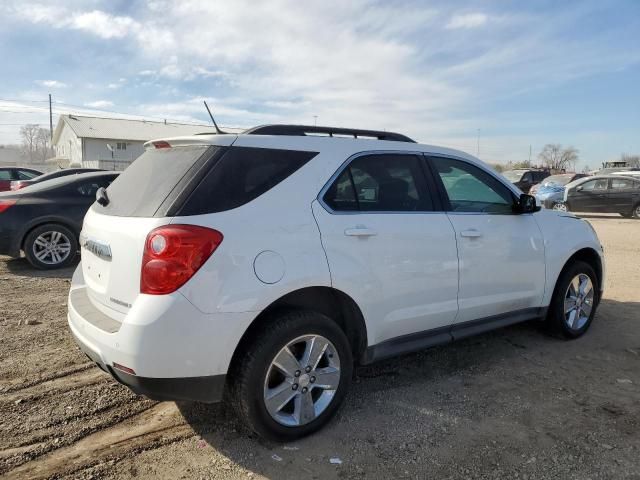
(90, 109)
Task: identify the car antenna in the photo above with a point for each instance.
(218, 131)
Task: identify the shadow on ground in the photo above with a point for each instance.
(20, 266)
(469, 406)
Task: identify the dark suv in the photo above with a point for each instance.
(524, 179)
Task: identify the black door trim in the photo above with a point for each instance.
(439, 336)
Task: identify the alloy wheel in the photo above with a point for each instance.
(561, 207)
(51, 248)
(578, 301)
(302, 380)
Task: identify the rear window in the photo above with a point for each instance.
(241, 175)
(142, 188)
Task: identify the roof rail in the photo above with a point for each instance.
(304, 130)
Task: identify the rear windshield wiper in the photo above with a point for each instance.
(101, 197)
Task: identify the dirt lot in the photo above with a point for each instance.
(510, 404)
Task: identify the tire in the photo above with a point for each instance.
(636, 211)
(254, 376)
(50, 246)
(564, 323)
(560, 207)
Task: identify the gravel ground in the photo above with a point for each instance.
(514, 403)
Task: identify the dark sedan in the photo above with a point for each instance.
(10, 174)
(18, 184)
(44, 220)
(604, 194)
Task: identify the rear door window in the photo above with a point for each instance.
(621, 184)
(26, 175)
(381, 183)
(241, 175)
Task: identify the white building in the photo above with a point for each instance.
(109, 143)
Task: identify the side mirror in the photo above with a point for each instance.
(526, 204)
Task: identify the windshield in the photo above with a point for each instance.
(558, 180)
(513, 175)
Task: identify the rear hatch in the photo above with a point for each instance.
(142, 198)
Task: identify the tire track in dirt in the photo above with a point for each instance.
(159, 423)
(16, 387)
(59, 384)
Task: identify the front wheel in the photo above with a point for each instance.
(636, 211)
(574, 300)
(560, 207)
(293, 376)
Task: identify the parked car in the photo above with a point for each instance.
(604, 194)
(524, 179)
(44, 220)
(265, 264)
(560, 179)
(9, 174)
(18, 184)
(550, 192)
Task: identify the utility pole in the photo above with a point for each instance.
(50, 122)
(315, 120)
(478, 149)
(529, 154)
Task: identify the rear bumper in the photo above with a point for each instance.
(198, 389)
(175, 351)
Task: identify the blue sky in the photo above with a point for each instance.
(523, 73)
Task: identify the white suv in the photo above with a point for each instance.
(265, 264)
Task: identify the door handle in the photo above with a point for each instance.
(360, 231)
(471, 233)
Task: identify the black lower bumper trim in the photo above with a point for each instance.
(197, 389)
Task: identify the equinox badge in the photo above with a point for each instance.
(100, 250)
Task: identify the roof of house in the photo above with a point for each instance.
(125, 129)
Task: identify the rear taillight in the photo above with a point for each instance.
(161, 144)
(5, 204)
(172, 254)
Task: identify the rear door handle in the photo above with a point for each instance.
(471, 233)
(360, 232)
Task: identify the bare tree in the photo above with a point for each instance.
(586, 169)
(556, 157)
(29, 134)
(632, 160)
(43, 148)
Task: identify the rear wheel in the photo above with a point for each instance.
(561, 207)
(636, 211)
(293, 376)
(50, 246)
(574, 301)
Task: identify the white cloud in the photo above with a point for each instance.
(429, 71)
(52, 83)
(104, 25)
(99, 104)
(468, 20)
